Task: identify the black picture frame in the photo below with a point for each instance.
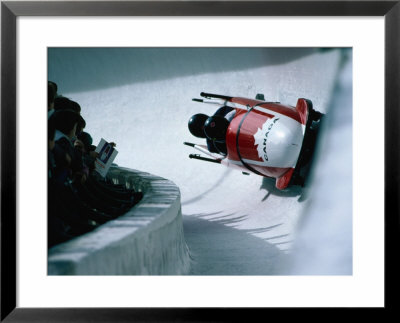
(10, 10)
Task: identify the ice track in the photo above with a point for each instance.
(233, 224)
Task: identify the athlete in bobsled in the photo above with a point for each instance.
(266, 138)
(213, 128)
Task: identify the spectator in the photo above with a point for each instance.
(79, 198)
(64, 103)
(70, 163)
(61, 215)
(51, 95)
(84, 144)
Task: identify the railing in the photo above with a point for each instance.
(147, 240)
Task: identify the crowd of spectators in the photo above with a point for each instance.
(79, 198)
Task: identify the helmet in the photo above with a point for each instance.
(216, 127)
(196, 125)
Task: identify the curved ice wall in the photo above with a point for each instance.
(140, 98)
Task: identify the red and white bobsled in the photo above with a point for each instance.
(266, 138)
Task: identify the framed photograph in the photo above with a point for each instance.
(131, 56)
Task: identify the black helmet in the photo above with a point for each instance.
(216, 127)
(196, 125)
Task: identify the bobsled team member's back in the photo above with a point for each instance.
(227, 112)
(213, 128)
(216, 127)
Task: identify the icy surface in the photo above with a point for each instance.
(233, 224)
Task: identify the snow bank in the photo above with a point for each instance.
(148, 240)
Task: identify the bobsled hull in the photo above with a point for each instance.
(266, 138)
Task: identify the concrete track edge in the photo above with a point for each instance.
(147, 240)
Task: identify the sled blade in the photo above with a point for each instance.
(283, 181)
(303, 107)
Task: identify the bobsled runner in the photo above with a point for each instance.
(269, 139)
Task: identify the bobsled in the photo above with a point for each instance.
(269, 139)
